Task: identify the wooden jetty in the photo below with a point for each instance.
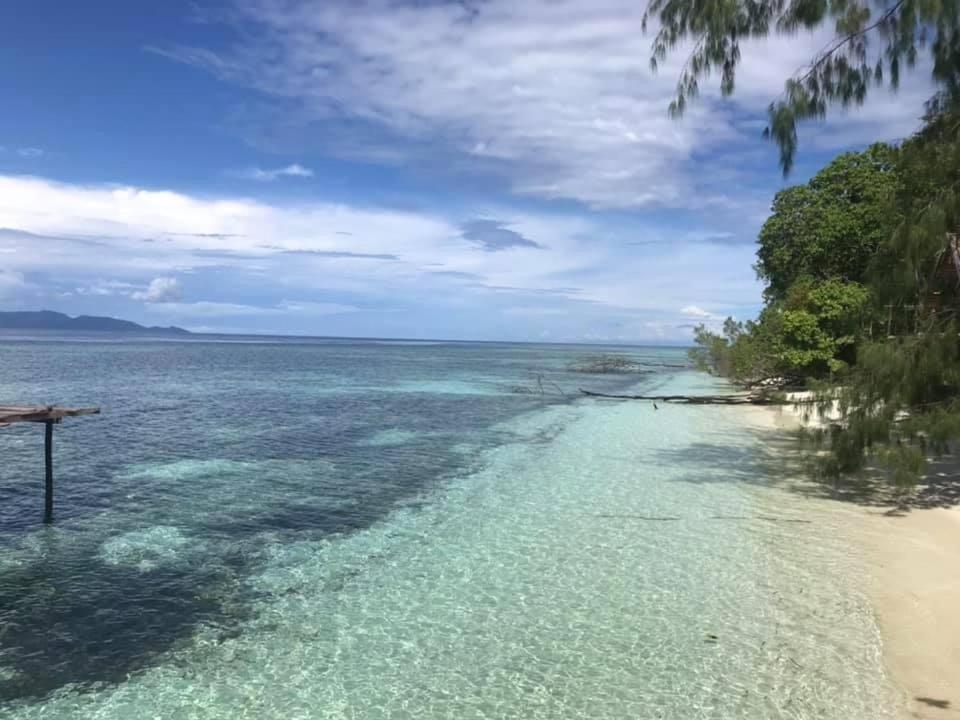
(49, 415)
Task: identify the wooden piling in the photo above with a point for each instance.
(48, 466)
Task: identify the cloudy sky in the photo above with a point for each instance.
(473, 170)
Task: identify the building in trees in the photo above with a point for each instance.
(943, 294)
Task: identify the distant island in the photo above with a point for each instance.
(49, 320)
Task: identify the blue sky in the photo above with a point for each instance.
(495, 170)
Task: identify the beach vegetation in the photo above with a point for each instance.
(813, 254)
(870, 318)
(832, 226)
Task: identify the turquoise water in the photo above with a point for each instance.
(354, 530)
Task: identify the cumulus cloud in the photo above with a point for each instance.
(696, 311)
(294, 170)
(160, 290)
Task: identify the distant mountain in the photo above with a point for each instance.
(49, 320)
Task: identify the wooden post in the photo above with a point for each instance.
(48, 463)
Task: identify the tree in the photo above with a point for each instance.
(898, 397)
(712, 351)
(814, 254)
(813, 332)
(738, 352)
(831, 227)
(900, 401)
(874, 41)
(927, 201)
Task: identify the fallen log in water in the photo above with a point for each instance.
(696, 399)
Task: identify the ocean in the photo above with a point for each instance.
(388, 529)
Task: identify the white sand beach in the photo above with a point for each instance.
(912, 560)
(914, 583)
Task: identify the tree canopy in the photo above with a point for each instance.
(814, 253)
(874, 41)
(832, 226)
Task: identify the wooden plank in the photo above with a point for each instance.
(40, 413)
(22, 409)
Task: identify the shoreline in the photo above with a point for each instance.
(911, 564)
(914, 585)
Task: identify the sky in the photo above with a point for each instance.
(490, 170)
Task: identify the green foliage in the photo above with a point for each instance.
(738, 352)
(832, 226)
(814, 253)
(874, 41)
(712, 352)
(813, 331)
(900, 401)
(859, 247)
(928, 204)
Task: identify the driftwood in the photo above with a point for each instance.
(696, 399)
(539, 390)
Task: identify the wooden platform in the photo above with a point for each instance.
(49, 415)
(10, 414)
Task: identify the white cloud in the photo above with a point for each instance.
(294, 170)
(335, 259)
(174, 228)
(317, 308)
(207, 309)
(557, 95)
(106, 288)
(696, 311)
(97, 290)
(26, 152)
(160, 290)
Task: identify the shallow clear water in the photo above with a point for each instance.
(360, 530)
